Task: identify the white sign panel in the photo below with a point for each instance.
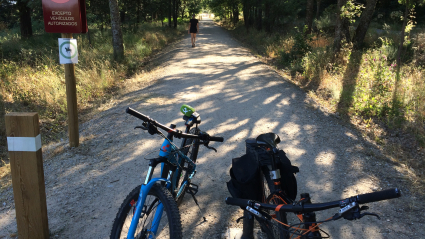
(68, 51)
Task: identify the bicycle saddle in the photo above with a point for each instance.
(270, 139)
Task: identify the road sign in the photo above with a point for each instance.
(65, 16)
(68, 51)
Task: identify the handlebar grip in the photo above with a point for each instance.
(137, 114)
(237, 202)
(379, 196)
(218, 139)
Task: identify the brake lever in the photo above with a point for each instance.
(352, 212)
(205, 137)
(370, 214)
(144, 126)
(209, 147)
(141, 127)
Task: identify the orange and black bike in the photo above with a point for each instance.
(277, 197)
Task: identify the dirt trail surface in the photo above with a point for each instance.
(238, 97)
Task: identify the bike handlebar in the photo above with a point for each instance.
(139, 115)
(378, 196)
(238, 202)
(218, 139)
(175, 132)
(361, 199)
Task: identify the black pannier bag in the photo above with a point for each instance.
(245, 179)
(245, 173)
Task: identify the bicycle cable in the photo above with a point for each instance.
(291, 228)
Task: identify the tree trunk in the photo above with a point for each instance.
(318, 9)
(138, 14)
(346, 29)
(122, 15)
(400, 49)
(252, 16)
(403, 33)
(245, 9)
(309, 15)
(235, 15)
(259, 16)
(24, 19)
(364, 22)
(88, 37)
(267, 18)
(2, 124)
(339, 26)
(176, 12)
(117, 40)
(170, 6)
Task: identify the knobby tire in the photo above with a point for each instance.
(273, 230)
(170, 224)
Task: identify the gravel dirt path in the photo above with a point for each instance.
(238, 97)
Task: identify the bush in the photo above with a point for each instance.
(419, 49)
(375, 83)
(326, 21)
(299, 48)
(316, 62)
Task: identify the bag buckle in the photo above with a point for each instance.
(275, 174)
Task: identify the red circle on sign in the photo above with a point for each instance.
(60, 1)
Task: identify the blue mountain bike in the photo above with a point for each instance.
(150, 210)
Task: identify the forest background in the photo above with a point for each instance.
(362, 60)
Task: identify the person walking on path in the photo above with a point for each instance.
(193, 29)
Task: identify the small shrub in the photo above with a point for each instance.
(315, 63)
(419, 49)
(375, 83)
(299, 48)
(388, 48)
(326, 22)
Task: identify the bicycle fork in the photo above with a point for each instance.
(144, 190)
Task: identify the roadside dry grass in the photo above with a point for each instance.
(33, 81)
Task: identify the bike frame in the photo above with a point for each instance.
(266, 171)
(307, 218)
(170, 184)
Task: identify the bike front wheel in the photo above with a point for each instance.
(168, 226)
(274, 230)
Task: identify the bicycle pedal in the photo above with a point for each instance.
(192, 189)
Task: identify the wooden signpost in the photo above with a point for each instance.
(67, 17)
(26, 164)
